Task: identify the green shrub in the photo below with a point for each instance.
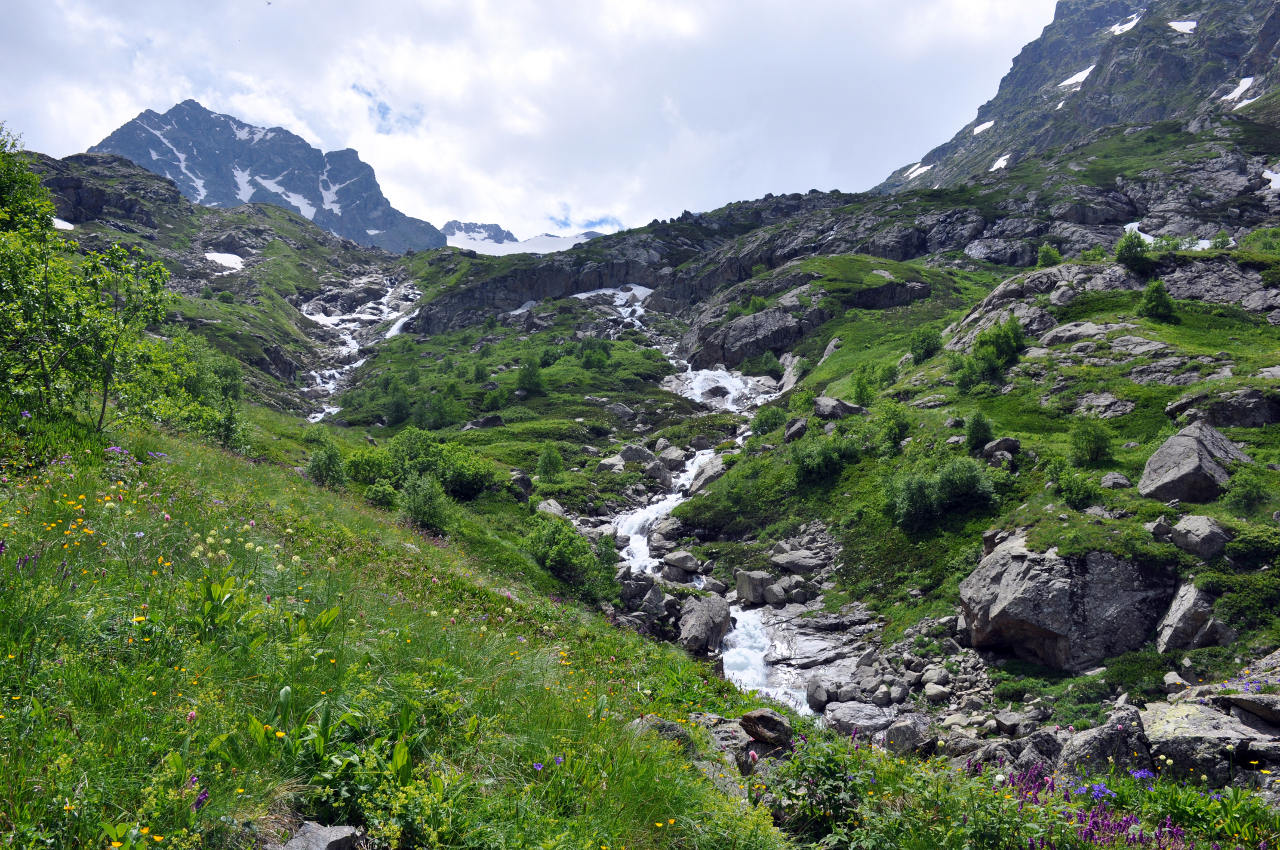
(325, 466)
(891, 425)
(763, 364)
(917, 501)
(1255, 545)
(1156, 303)
(820, 458)
(1078, 490)
(1090, 442)
(1048, 256)
(463, 473)
(924, 343)
(425, 504)
(366, 465)
(550, 463)
(1096, 254)
(1132, 253)
(382, 494)
(768, 420)
(530, 379)
(562, 551)
(439, 411)
(1247, 492)
(978, 432)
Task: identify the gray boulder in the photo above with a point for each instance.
(313, 836)
(673, 458)
(659, 473)
(795, 429)
(1189, 622)
(750, 585)
(775, 595)
(934, 692)
(621, 411)
(863, 717)
(633, 453)
(704, 621)
(825, 407)
(1064, 612)
(1202, 536)
(767, 726)
(1120, 742)
(801, 561)
(612, 464)
(1248, 408)
(1199, 740)
(1190, 466)
(1009, 445)
(1266, 707)
(550, 506)
(911, 734)
(1116, 481)
(682, 560)
(710, 471)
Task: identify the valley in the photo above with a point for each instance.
(939, 515)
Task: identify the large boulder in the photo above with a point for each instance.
(1202, 536)
(911, 734)
(1190, 466)
(795, 429)
(704, 621)
(801, 561)
(863, 717)
(767, 726)
(825, 407)
(1247, 408)
(1189, 622)
(658, 472)
(1199, 740)
(633, 453)
(710, 471)
(1064, 612)
(673, 458)
(1120, 742)
(313, 836)
(750, 585)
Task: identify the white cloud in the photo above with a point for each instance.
(505, 111)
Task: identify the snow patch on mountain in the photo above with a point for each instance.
(1077, 79)
(1002, 162)
(1184, 27)
(60, 224)
(984, 127)
(1124, 26)
(299, 203)
(196, 182)
(1273, 176)
(244, 183)
(547, 243)
(1244, 86)
(916, 170)
(228, 261)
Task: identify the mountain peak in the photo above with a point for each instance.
(220, 161)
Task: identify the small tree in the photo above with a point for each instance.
(325, 466)
(978, 432)
(425, 503)
(1048, 256)
(530, 379)
(1157, 304)
(550, 464)
(924, 343)
(1132, 252)
(1090, 442)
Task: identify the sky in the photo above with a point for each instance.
(540, 115)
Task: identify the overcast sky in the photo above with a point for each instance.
(541, 115)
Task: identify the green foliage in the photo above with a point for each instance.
(1096, 254)
(1247, 491)
(369, 463)
(1221, 241)
(768, 419)
(1255, 545)
(819, 457)
(924, 343)
(1265, 240)
(918, 501)
(462, 472)
(550, 463)
(439, 411)
(325, 466)
(763, 364)
(978, 432)
(1090, 442)
(530, 379)
(890, 423)
(1132, 252)
(1156, 303)
(562, 551)
(1077, 489)
(1048, 256)
(382, 494)
(994, 350)
(424, 502)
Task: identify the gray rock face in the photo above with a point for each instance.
(748, 336)
(621, 411)
(633, 453)
(613, 464)
(801, 561)
(682, 560)
(1202, 536)
(1068, 613)
(825, 407)
(673, 458)
(1104, 405)
(1266, 707)
(911, 734)
(1008, 445)
(313, 836)
(659, 473)
(862, 717)
(750, 585)
(550, 506)
(704, 621)
(1201, 741)
(1121, 741)
(712, 470)
(795, 429)
(767, 726)
(1189, 623)
(1190, 465)
(1115, 481)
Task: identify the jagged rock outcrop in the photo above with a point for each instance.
(704, 621)
(1064, 612)
(1189, 623)
(1190, 466)
(1121, 742)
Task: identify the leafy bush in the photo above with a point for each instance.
(530, 379)
(763, 364)
(1090, 442)
(1096, 254)
(891, 425)
(978, 432)
(562, 551)
(1132, 253)
(325, 466)
(424, 502)
(1048, 256)
(366, 465)
(924, 343)
(994, 350)
(1157, 304)
(1247, 492)
(439, 411)
(381, 493)
(820, 458)
(1078, 490)
(550, 463)
(917, 501)
(768, 419)
(1255, 545)
(463, 473)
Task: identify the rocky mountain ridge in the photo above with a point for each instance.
(219, 161)
(1102, 63)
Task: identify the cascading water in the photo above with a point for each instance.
(747, 645)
